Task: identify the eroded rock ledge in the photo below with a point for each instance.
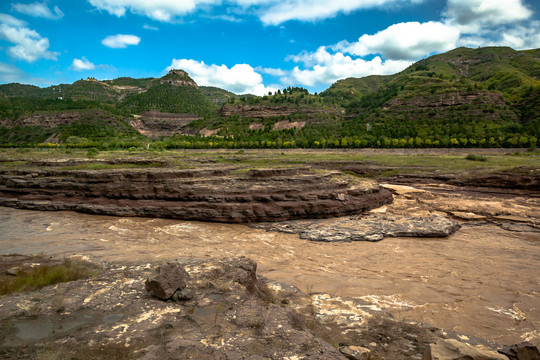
(208, 194)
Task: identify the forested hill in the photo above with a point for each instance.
(485, 97)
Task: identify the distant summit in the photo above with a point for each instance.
(178, 78)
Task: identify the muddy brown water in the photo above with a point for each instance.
(482, 281)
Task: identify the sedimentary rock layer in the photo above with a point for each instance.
(210, 194)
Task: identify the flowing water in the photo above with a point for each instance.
(482, 281)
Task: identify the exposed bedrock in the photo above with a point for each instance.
(210, 194)
(368, 228)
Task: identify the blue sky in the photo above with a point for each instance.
(247, 46)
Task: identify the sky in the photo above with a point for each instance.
(248, 46)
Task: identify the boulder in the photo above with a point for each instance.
(166, 280)
(450, 349)
(355, 352)
(522, 351)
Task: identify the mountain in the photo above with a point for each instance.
(465, 97)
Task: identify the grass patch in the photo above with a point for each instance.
(28, 279)
(103, 166)
(12, 164)
(474, 157)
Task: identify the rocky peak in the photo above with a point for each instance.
(178, 78)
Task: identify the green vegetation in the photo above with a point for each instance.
(465, 98)
(33, 278)
(169, 98)
(413, 161)
(474, 157)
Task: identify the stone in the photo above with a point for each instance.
(13, 271)
(166, 280)
(355, 352)
(450, 349)
(183, 295)
(522, 351)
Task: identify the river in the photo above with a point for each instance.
(482, 281)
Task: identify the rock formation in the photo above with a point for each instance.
(367, 228)
(207, 194)
(231, 314)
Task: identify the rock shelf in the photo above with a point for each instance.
(206, 194)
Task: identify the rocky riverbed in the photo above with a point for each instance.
(344, 240)
(213, 309)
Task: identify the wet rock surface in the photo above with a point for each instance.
(367, 228)
(208, 194)
(232, 314)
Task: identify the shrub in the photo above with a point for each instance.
(92, 152)
(474, 157)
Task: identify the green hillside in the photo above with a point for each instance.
(169, 98)
(485, 97)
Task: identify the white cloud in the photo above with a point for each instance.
(518, 37)
(472, 15)
(29, 45)
(160, 10)
(405, 41)
(120, 41)
(38, 9)
(150, 27)
(324, 68)
(271, 71)
(240, 79)
(270, 12)
(310, 10)
(82, 64)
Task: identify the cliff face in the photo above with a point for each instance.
(155, 124)
(449, 99)
(266, 111)
(205, 194)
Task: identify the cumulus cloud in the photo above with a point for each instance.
(324, 68)
(240, 79)
(410, 41)
(471, 15)
(120, 41)
(519, 37)
(29, 45)
(82, 64)
(38, 9)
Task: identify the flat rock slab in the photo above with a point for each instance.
(368, 228)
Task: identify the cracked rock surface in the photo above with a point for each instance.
(231, 314)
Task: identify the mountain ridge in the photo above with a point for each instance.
(465, 97)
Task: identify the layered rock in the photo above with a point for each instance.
(209, 194)
(367, 228)
(268, 111)
(156, 124)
